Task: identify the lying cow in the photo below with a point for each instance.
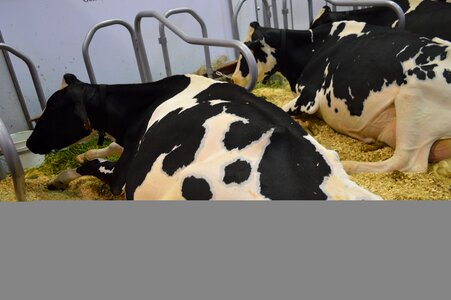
(425, 17)
(368, 82)
(190, 137)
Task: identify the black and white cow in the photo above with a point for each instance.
(425, 17)
(190, 137)
(368, 82)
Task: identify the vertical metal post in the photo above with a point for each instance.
(13, 161)
(275, 14)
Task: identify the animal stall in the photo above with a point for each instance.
(395, 185)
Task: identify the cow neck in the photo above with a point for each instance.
(103, 118)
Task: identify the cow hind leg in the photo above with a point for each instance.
(62, 180)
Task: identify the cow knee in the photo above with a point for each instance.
(440, 150)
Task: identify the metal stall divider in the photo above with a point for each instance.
(13, 161)
(197, 41)
(164, 43)
(143, 69)
(399, 12)
(6, 143)
(15, 82)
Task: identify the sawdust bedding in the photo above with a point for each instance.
(390, 186)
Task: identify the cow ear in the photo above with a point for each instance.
(68, 79)
(326, 8)
(254, 25)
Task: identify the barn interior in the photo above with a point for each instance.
(101, 42)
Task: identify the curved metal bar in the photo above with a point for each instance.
(236, 10)
(163, 40)
(144, 70)
(13, 161)
(31, 68)
(398, 10)
(16, 84)
(247, 54)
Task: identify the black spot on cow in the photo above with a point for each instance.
(241, 135)
(429, 53)
(275, 172)
(447, 75)
(329, 101)
(237, 172)
(196, 189)
(336, 110)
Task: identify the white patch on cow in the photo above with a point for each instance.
(184, 100)
(402, 50)
(442, 41)
(104, 170)
(413, 5)
(311, 35)
(321, 12)
(262, 67)
(351, 27)
(215, 102)
(209, 163)
(350, 92)
(338, 185)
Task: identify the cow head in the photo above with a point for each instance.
(324, 17)
(64, 120)
(258, 40)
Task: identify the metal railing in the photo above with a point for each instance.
(90, 35)
(14, 164)
(33, 72)
(395, 7)
(247, 54)
(164, 43)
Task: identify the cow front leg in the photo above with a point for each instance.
(112, 149)
(100, 168)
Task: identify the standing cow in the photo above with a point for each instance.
(190, 137)
(368, 82)
(425, 17)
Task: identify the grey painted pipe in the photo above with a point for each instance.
(15, 82)
(13, 161)
(31, 68)
(85, 48)
(164, 44)
(399, 12)
(198, 41)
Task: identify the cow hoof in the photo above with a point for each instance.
(80, 158)
(55, 184)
